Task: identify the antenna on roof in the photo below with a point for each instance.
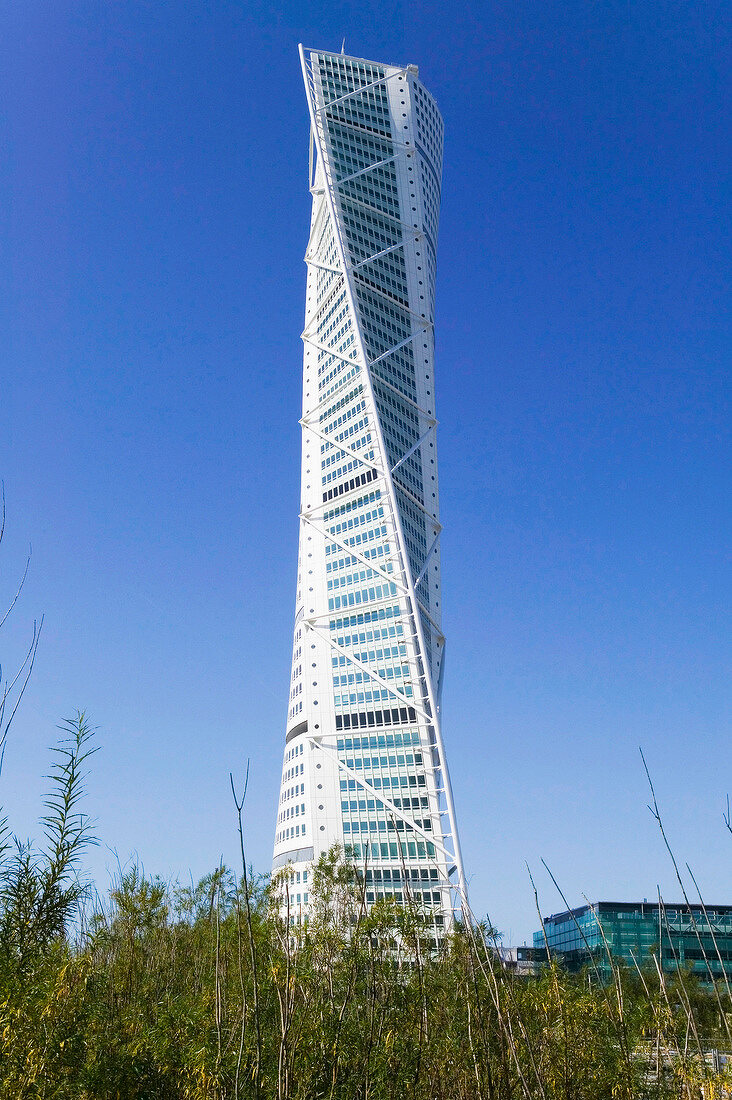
(343, 46)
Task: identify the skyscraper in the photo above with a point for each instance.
(364, 763)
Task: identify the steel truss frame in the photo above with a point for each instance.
(395, 810)
(429, 711)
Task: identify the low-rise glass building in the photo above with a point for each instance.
(691, 937)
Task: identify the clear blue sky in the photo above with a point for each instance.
(153, 219)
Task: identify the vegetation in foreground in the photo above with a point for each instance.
(162, 993)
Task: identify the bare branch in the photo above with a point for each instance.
(657, 814)
(541, 917)
(22, 582)
(29, 661)
(27, 665)
(716, 948)
(239, 803)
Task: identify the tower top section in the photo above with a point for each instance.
(310, 50)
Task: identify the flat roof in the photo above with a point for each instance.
(631, 906)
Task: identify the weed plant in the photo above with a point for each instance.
(208, 992)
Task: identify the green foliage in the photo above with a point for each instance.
(40, 888)
(209, 992)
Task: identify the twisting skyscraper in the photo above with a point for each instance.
(364, 762)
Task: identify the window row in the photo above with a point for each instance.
(357, 521)
(371, 655)
(363, 618)
(363, 804)
(385, 826)
(399, 760)
(375, 695)
(385, 782)
(410, 849)
(395, 716)
(365, 595)
(358, 539)
(358, 676)
(379, 741)
(290, 832)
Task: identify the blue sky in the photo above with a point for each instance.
(153, 219)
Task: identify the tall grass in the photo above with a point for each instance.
(162, 992)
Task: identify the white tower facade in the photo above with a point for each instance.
(364, 763)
